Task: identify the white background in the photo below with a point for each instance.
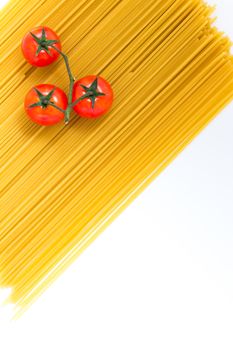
(161, 276)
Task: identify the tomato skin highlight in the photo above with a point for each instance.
(29, 47)
(48, 115)
(102, 103)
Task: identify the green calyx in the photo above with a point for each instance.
(91, 92)
(43, 43)
(45, 100)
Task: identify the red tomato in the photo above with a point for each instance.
(95, 94)
(43, 103)
(36, 46)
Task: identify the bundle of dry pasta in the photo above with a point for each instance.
(171, 71)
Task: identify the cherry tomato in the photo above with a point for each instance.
(95, 94)
(37, 46)
(45, 104)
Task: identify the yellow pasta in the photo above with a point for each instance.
(171, 71)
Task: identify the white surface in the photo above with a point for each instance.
(161, 276)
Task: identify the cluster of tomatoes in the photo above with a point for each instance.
(46, 104)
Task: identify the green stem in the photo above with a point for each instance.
(72, 80)
(57, 107)
(86, 95)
